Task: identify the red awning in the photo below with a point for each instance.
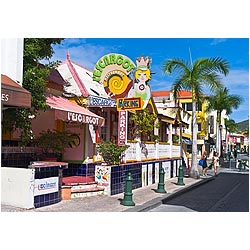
(14, 95)
(66, 110)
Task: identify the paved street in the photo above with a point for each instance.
(229, 192)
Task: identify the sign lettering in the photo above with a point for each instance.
(122, 128)
(129, 103)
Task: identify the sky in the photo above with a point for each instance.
(87, 51)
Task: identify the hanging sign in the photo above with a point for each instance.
(129, 104)
(122, 127)
(121, 78)
(113, 71)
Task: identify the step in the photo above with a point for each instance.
(87, 193)
(81, 190)
(83, 186)
(76, 180)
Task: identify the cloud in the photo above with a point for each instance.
(217, 41)
(85, 54)
(237, 77)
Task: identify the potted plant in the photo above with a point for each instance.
(53, 143)
(111, 152)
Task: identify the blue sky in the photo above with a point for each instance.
(87, 51)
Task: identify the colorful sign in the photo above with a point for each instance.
(98, 101)
(129, 103)
(142, 75)
(46, 186)
(122, 127)
(113, 71)
(121, 78)
(76, 117)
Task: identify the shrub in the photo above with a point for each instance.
(111, 152)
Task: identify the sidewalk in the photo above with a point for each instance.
(145, 198)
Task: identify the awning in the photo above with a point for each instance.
(66, 110)
(187, 141)
(14, 95)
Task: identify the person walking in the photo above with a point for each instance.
(216, 163)
(204, 166)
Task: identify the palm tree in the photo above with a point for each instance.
(204, 72)
(219, 102)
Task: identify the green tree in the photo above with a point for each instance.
(204, 72)
(230, 125)
(220, 101)
(144, 123)
(35, 77)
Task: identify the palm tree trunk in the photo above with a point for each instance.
(194, 172)
(218, 134)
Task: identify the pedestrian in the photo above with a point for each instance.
(204, 166)
(216, 163)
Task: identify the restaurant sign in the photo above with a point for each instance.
(121, 78)
(113, 71)
(101, 102)
(129, 104)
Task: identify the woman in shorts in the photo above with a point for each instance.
(204, 166)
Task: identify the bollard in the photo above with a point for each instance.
(180, 176)
(127, 200)
(240, 165)
(161, 183)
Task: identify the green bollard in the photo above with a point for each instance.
(127, 200)
(240, 165)
(161, 183)
(180, 176)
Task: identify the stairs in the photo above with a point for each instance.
(79, 187)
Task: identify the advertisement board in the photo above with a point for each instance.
(46, 186)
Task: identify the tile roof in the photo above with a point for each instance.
(182, 93)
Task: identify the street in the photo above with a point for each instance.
(228, 192)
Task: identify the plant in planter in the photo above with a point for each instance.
(54, 143)
(111, 152)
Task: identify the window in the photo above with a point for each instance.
(199, 127)
(187, 106)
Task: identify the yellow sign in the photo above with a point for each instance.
(129, 103)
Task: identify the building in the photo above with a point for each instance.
(207, 126)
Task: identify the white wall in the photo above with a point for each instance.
(17, 187)
(12, 58)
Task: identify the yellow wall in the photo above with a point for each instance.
(200, 115)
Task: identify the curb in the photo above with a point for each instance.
(160, 200)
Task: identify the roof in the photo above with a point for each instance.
(79, 80)
(161, 93)
(66, 110)
(181, 94)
